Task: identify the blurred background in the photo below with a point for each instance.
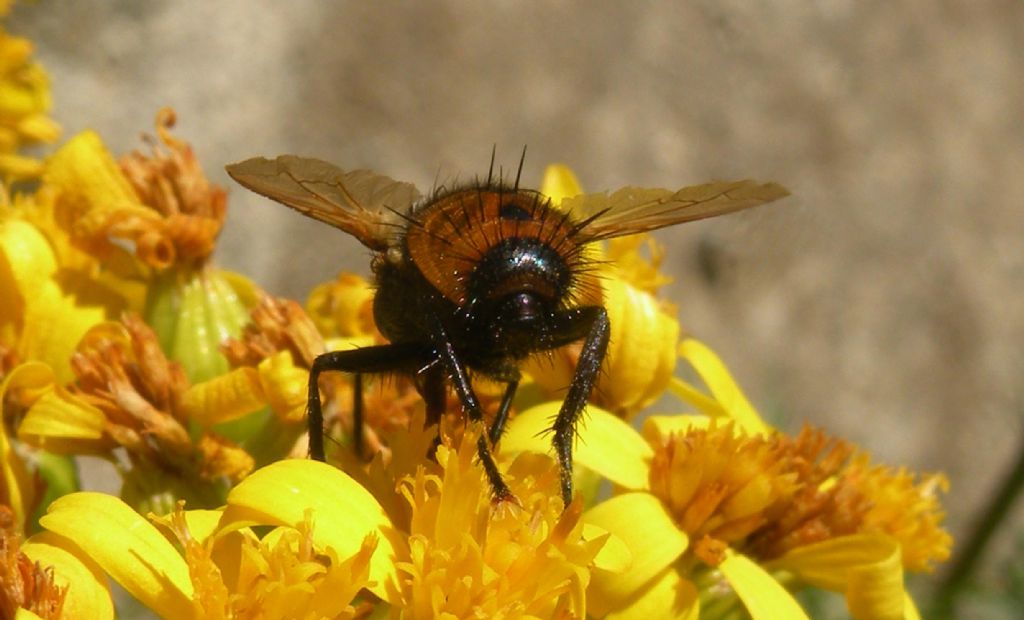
(883, 301)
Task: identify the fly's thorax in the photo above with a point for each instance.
(477, 245)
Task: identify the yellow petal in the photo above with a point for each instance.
(614, 556)
(342, 307)
(55, 320)
(246, 290)
(669, 596)
(45, 312)
(39, 128)
(88, 595)
(910, 609)
(223, 398)
(866, 567)
(762, 595)
(19, 167)
(343, 512)
(642, 352)
(85, 168)
(607, 445)
(201, 523)
(654, 545)
(559, 183)
(125, 545)
(16, 481)
(65, 424)
(826, 564)
(28, 254)
(722, 386)
(285, 386)
(875, 592)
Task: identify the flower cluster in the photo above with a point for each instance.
(120, 338)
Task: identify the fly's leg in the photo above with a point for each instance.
(456, 372)
(498, 425)
(592, 323)
(378, 359)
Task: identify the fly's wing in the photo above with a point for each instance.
(634, 209)
(364, 204)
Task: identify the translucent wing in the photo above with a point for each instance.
(362, 203)
(634, 209)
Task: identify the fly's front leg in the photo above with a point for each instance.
(592, 323)
(379, 359)
(463, 388)
(498, 425)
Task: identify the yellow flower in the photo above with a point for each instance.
(321, 555)
(47, 577)
(128, 394)
(272, 359)
(48, 303)
(448, 552)
(469, 557)
(641, 352)
(270, 363)
(158, 208)
(343, 308)
(155, 219)
(751, 512)
(24, 104)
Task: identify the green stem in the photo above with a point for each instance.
(987, 524)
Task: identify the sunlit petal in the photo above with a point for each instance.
(45, 313)
(126, 546)
(63, 423)
(223, 398)
(875, 592)
(910, 609)
(607, 444)
(15, 479)
(559, 183)
(867, 567)
(641, 354)
(88, 595)
(762, 595)
(722, 385)
(614, 556)
(344, 512)
(655, 545)
(668, 596)
(825, 564)
(284, 386)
